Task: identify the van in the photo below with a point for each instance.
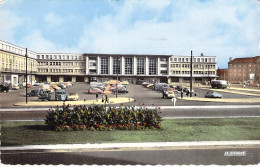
(61, 95)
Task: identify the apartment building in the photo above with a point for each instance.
(244, 69)
(204, 69)
(13, 64)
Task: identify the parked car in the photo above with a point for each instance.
(45, 97)
(94, 91)
(15, 87)
(21, 86)
(4, 88)
(168, 94)
(56, 87)
(38, 92)
(211, 94)
(62, 86)
(61, 94)
(125, 83)
(37, 84)
(28, 85)
(73, 96)
(120, 90)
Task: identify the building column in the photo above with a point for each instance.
(48, 78)
(168, 66)
(73, 79)
(158, 66)
(61, 79)
(87, 68)
(110, 65)
(146, 66)
(135, 66)
(98, 65)
(122, 65)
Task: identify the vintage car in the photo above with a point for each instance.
(73, 96)
(37, 84)
(211, 94)
(4, 88)
(94, 91)
(15, 87)
(45, 97)
(61, 95)
(168, 94)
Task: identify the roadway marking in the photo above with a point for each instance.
(150, 107)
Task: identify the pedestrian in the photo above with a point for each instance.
(103, 99)
(181, 93)
(97, 97)
(244, 86)
(163, 94)
(106, 100)
(187, 93)
(195, 94)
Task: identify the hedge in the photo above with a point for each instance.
(98, 118)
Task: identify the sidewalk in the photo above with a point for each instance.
(140, 146)
(81, 102)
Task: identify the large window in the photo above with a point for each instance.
(104, 65)
(128, 65)
(152, 66)
(140, 66)
(116, 65)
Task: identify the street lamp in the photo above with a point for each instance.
(191, 75)
(116, 74)
(26, 77)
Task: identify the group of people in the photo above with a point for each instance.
(188, 93)
(104, 98)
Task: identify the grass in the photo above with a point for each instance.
(32, 133)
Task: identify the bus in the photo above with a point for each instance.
(221, 84)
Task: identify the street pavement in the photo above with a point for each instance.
(173, 153)
(168, 112)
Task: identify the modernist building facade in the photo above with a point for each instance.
(13, 64)
(65, 67)
(244, 69)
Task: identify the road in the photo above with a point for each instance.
(167, 112)
(202, 156)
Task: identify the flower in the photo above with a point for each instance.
(84, 100)
(152, 104)
(159, 108)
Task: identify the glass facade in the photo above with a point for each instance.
(152, 66)
(104, 65)
(128, 65)
(140, 66)
(116, 65)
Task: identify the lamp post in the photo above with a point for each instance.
(191, 75)
(31, 72)
(116, 74)
(26, 77)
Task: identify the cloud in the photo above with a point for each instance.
(53, 20)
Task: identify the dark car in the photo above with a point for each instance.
(4, 88)
(45, 97)
(211, 94)
(35, 92)
(120, 90)
(61, 95)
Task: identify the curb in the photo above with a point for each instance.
(139, 146)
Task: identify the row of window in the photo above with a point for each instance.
(195, 66)
(42, 70)
(59, 63)
(194, 72)
(195, 59)
(60, 57)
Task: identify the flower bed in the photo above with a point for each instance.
(97, 118)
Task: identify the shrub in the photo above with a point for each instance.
(97, 118)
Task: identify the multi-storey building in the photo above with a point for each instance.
(244, 69)
(13, 64)
(102, 67)
(222, 74)
(64, 67)
(203, 69)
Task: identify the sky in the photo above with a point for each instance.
(221, 28)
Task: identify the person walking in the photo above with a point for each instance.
(187, 93)
(106, 99)
(195, 93)
(181, 93)
(103, 98)
(97, 97)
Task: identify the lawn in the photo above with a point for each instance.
(32, 133)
